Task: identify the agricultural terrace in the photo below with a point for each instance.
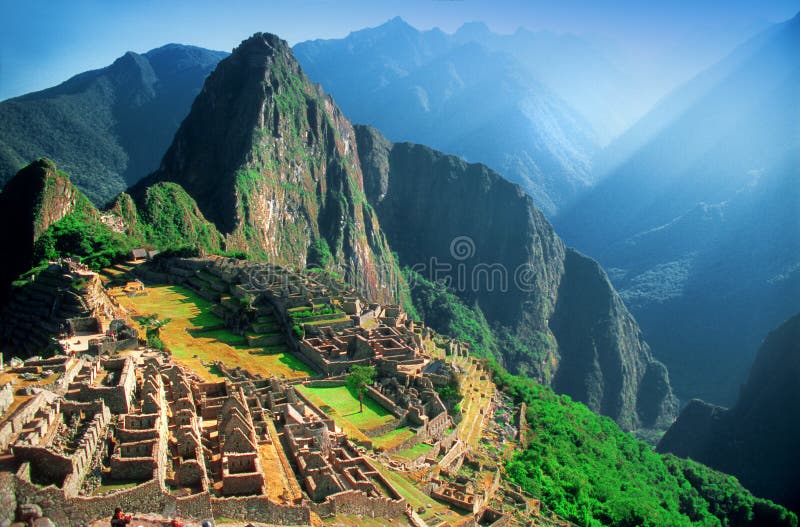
(478, 394)
(344, 409)
(196, 337)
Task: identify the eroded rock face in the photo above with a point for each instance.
(272, 163)
(557, 316)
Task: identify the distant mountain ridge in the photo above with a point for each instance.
(459, 94)
(107, 127)
(697, 220)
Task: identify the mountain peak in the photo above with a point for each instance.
(262, 42)
(473, 31)
(394, 26)
(269, 160)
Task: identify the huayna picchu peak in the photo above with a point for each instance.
(272, 163)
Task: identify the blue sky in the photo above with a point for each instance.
(43, 43)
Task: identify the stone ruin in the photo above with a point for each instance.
(65, 292)
(190, 447)
(178, 443)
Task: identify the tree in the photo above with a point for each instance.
(152, 327)
(358, 379)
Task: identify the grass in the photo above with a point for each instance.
(414, 452)
(189, 310)
(409, 489)
(394, 438)
(345, 406)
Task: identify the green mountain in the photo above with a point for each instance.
(54, 219)
(37, 198)
(756, 439)
(272, 163)
(696, 218)
(107, 127)
(553, 313)
(588, 471)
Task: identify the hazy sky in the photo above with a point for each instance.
(43, 43)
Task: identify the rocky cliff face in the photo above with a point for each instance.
(272, 163)
(755, 440)
(556, 313)
(38, 196)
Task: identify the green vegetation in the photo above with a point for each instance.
(392, 438)
(589, 471)
(344, 406)
(414, 452)
(173, 219)
(81, 234)
(358, 380)
(152, 326)
(199, 349)
(319, 254)
(446, 313)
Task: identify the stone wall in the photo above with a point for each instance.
(8, 496)
(85, 325)
(63, 510)
(6, 397)
(147, 498)
(260, 509)
(13, 425)
(117, 398)
(387, 403)
(358, 503)
(109, 346)
(69, 470)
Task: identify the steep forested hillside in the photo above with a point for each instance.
(756, 439)
(107, 127)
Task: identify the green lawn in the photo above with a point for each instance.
(187, 310)
(414, 452)
(343, 405)
(393, 439)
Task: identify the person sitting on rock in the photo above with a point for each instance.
(119, 519)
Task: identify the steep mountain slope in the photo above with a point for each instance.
(30, 203)
(107, 127)
(556, 313)
(697, 219)
(272, 163)
(454, 93)
(590, 472)
(52, 218)
(756, 440)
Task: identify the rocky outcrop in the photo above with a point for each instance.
(554, 310)
(38, 196)
(272, 163)
(755, 440)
